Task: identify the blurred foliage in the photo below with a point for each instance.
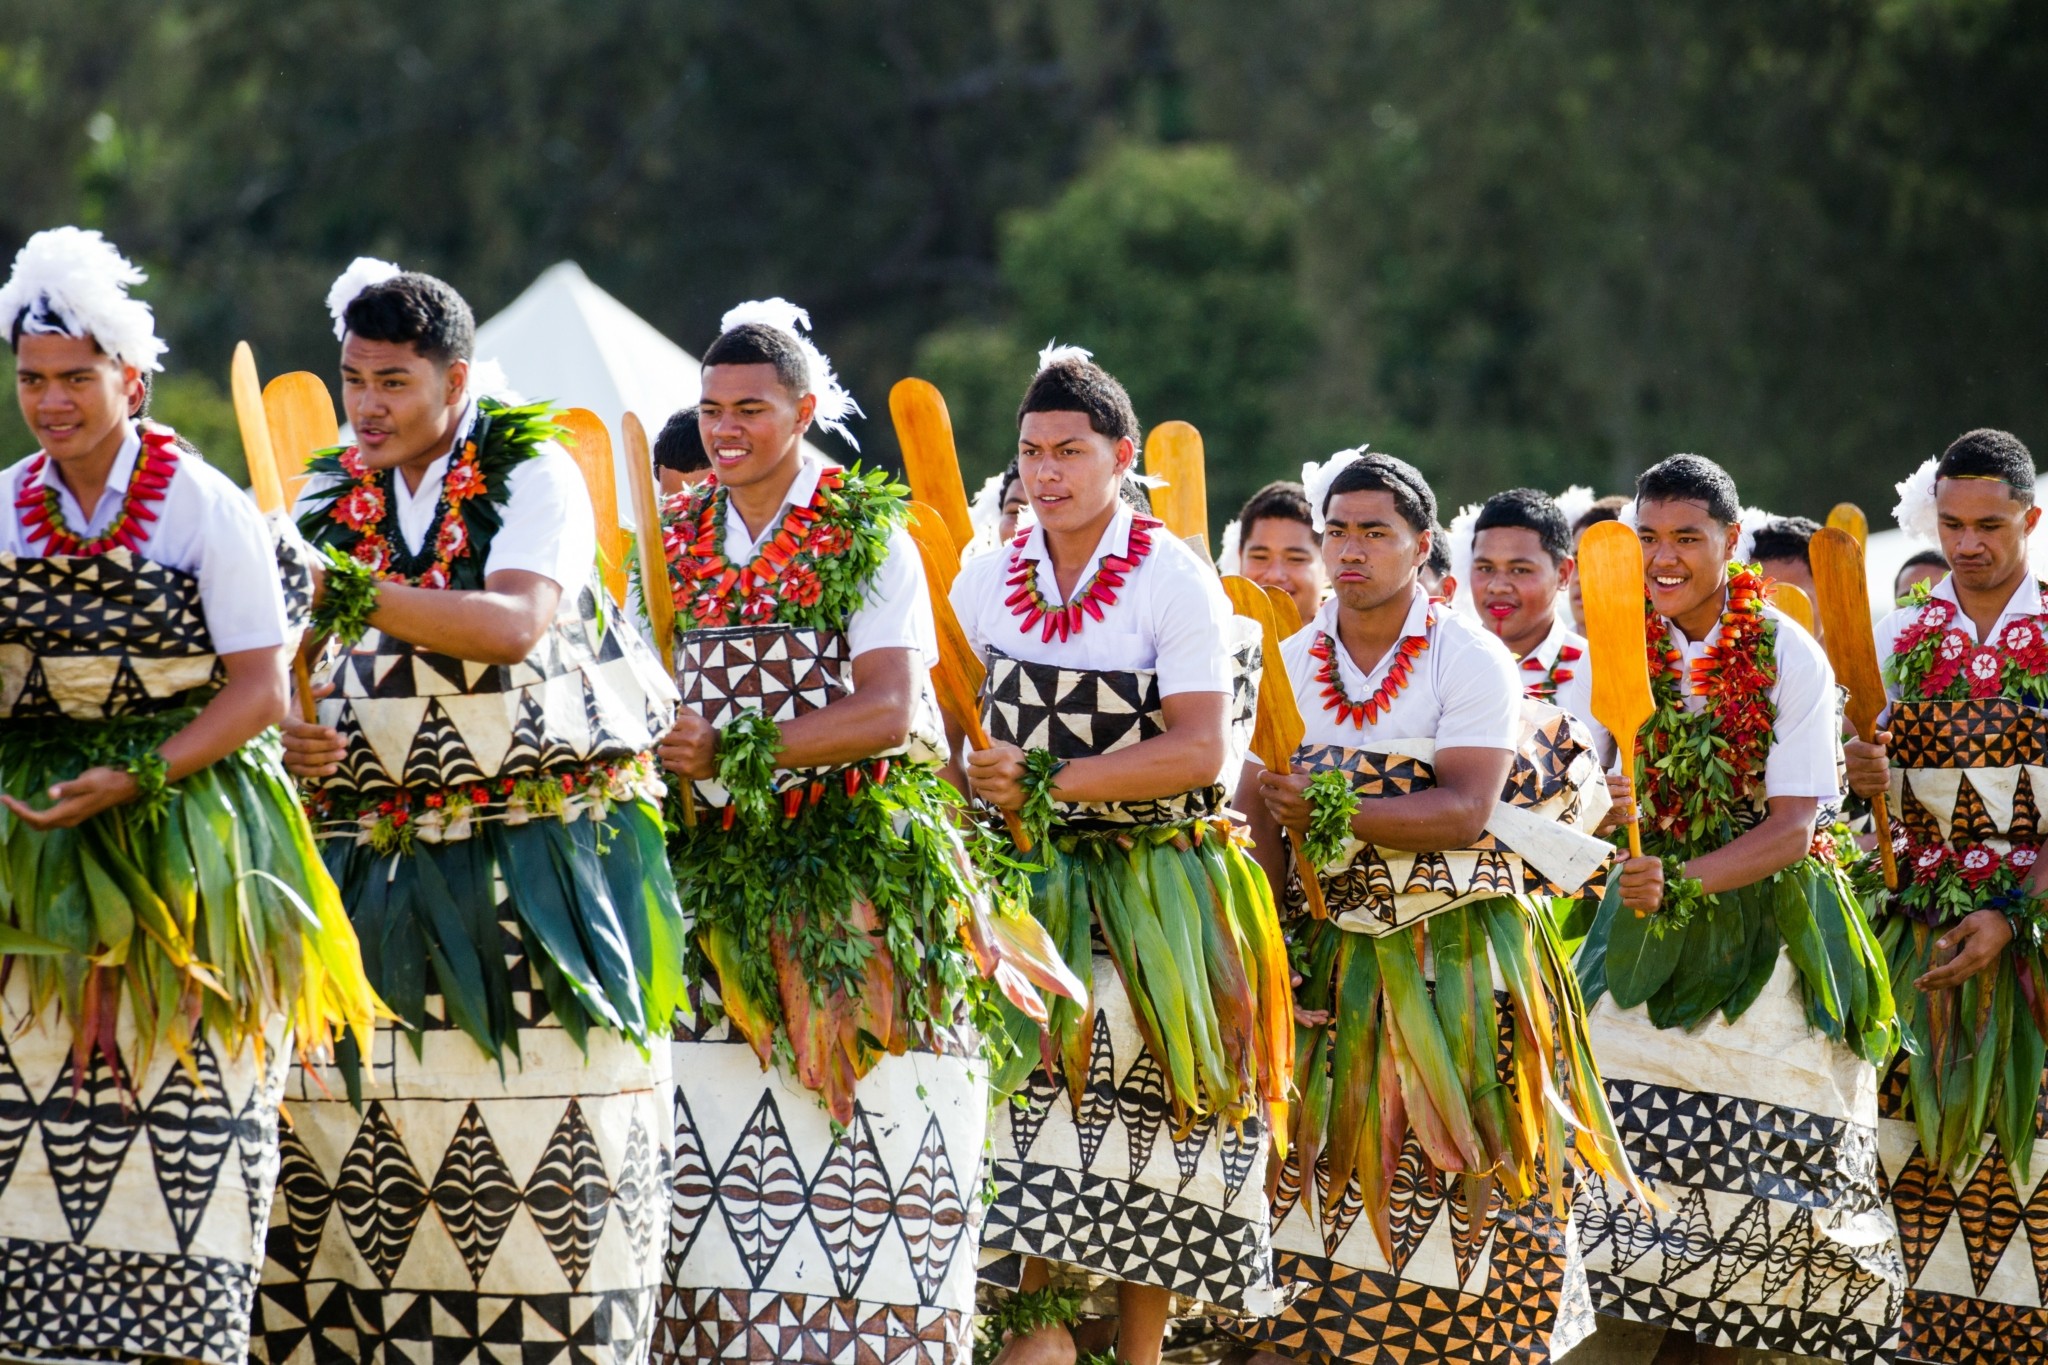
(1515, 240)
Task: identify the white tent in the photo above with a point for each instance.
(568, 341)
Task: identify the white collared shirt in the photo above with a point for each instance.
(1574, 695)
(205, 527)
(1171, 616)
(548, 528)
(896, 612)
(1463, 691)
(1806, 735)
(2025, 602)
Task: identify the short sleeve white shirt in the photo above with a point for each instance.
(2024, 603)
(1574, 695)
(1463, 691)
(1171, 616)
(1807, 739)
(896, 610)
(205, 526)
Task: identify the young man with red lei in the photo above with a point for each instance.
(1117, 705)
(840, 929)
(1961, 1130)
(1420, 1204)
(167, 934)
(482, 783)
(1743, 1007)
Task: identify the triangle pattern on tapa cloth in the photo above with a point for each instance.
(1987, 1214)
(438, 757)
(2025, 825)
(484, 721)
(1970, 822)
(1995, 790)
(388, 725)
(438, 675)
(1935, 789)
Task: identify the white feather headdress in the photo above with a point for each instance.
(364, 272)
(1052, 353)
(1317, 478)
(835, 404)
(1230, 555)
(1461, 534)
(487, 379)
(71, 282)
(1575, 502)
(1915, 512)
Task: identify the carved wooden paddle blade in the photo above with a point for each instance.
(302, 420)
(960, 673)
(1791, 599)
(255, 426)
(1173, 452)
(1611, 570)
(1847, 516)
(1845, 623)
(656, 591)
(1286, 614)
(924, 430)
(1278, 729)
(591, 445)
(942, 563)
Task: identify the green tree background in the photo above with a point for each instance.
(1518, 242)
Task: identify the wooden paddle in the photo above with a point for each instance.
(1286, 614)
(1173, 452)
(1791, 599)
(301, 419)
(264, 484)
(1278, 730)
(591, 444)
(1847, 516)
(958, 676)
(925, 432)
(1611, 572)
(657, 594)
(1852, 649)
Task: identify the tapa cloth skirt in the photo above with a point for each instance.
(792, 1243)
(1761, 1137)
(469, 1214)
(1107, 1189)
(132, 1204)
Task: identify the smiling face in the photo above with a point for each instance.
(1280, 552)
(402, 405)
(1370, 551)
(751, 424)
(1069, 470)
(1685, 561)
(75, 399)
(1515, 582)
(1984, 530)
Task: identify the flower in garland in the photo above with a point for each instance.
(436, 576)
(758, 609)
(1978, 864)
(352, 463)
(361, 508)
(453, 541)
(828, 539)
(373, 552)
(1949, 653)
(802, 586)
(1929, 861)
(2026, 645)
(464, 481)
(1984, 670)
(712, 609)
(2021, 860)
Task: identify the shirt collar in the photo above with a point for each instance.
(1545, 653)
(2025, 599)
(1116, 540)
(430, 482)
(810, 468)
(117, 478)
(1416, 623)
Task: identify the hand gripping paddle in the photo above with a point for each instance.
(1278, 730)
(1852, 649)
(1611, 572)
(1173, 452)
(924, 430)
(264, 484)
(959, 674)
(657, 593)
(591, 445)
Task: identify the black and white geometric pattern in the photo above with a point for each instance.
(132, 1203)
(589, 693)
(295, 558)
(789, 1239)
(1539, 842)
(1080, 712)
(1108, 1188)
(521, 1213)
(1761, 1139)
(783, 672)
(96, 636)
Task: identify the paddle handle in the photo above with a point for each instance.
(1311, 888)
(1881, 816)
(302, 683)
(978, 737)
(1628, 770)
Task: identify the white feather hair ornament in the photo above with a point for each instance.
(1461, 534)
(1054, 354)
(72, 282)
(1317, 478)
(364, 272)
(834, 404)
(986, 512)
(1575, 502)
(1915, 512)
(487, 379)
(1230, 555)
(1754, 519)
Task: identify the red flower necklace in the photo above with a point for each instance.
(785, 561)
(366, 509)
(1734, 675)
(1028, 604)
(1331, 676)
(1545, 687)
(42, 512)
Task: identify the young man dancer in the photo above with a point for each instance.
(1278, 546)
(165, 924)
(481, 774)
(1522, 566)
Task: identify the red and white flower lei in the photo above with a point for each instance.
(1934, 659)
(366, 509)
